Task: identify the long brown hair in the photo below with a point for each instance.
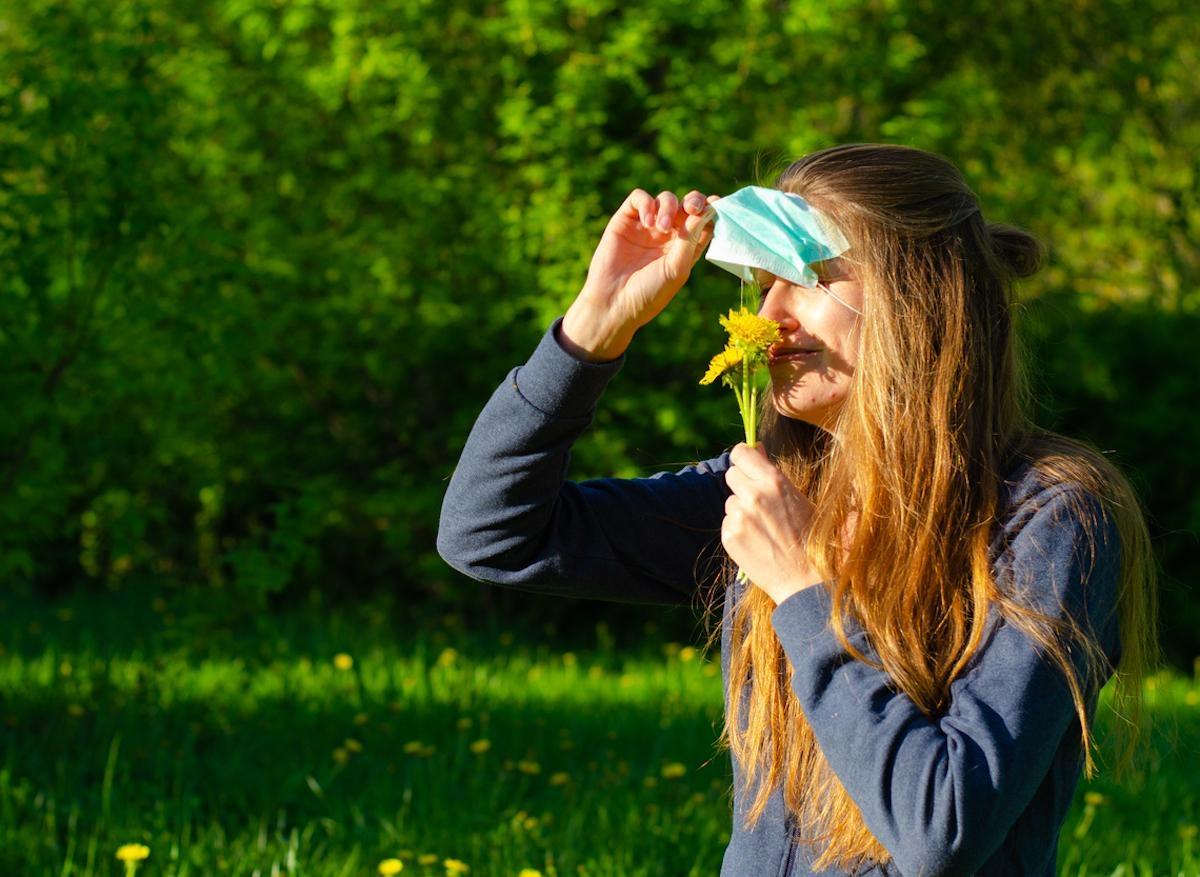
(936, 417)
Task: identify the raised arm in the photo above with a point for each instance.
(509, 517)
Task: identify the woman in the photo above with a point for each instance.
(939, 588)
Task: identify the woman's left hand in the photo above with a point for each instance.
(766, 523)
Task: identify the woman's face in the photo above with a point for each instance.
(811, 387)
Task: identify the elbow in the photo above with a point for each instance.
(457, 552)
(934, 863)
(949, 854)
(478, 554)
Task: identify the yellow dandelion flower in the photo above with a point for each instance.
(673, 770)
(463, 723)
(481, 746)
(727, 359)
(361, 719)
(559, 779)
(529, 872)
(74, 710)
(388, 867)
(454, 866)
(343, 661)
(749, 330)
(340, 755)
(529, 767)
(352, 745)
(650, 782)
(1189, 831)
(412, 747)
(133, 852)
(427, 859)
(1093, 798)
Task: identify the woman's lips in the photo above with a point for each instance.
(794, 356)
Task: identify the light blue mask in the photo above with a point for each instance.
(776, 231)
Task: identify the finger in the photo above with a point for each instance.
(734, 479)
(640, 205)
(668, 204)
(699, 231)
(753, 461)
(693, 202)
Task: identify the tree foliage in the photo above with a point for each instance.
(261, 263)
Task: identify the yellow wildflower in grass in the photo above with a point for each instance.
(343, 661)
(1093, 798)
(132, 855)
(388, 867)
(560, 778)
(132, 852)
(529, 872)
(454, 866)
(352, 745)
(413, 747)
(480, 746)
(673, 770)
(463, 723)
(529, 767)
(427, 859)
(727, 359)
(340, 755)
(749, 331)
(361, 719)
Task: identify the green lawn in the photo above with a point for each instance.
(251, 751)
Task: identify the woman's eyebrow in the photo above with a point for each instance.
(832, 269)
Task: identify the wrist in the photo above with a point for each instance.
(587, 335)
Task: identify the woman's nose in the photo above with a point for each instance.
(785, 320)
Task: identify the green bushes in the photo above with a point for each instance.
(261, 263)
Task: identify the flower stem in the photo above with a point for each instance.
(753, 415)
(747, 410)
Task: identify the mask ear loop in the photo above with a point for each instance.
(838, 300)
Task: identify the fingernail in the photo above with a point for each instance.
(664, 221)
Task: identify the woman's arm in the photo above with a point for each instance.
(510, 518)
(943, 795)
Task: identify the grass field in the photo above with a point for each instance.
(324, 742)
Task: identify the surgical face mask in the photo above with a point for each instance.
(776, 231)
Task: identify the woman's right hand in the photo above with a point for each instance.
(644, 257)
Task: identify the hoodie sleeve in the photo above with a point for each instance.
(510, 518)
(941, 795)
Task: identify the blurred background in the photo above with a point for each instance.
(263, 261)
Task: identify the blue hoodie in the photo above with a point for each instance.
(984, 789)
